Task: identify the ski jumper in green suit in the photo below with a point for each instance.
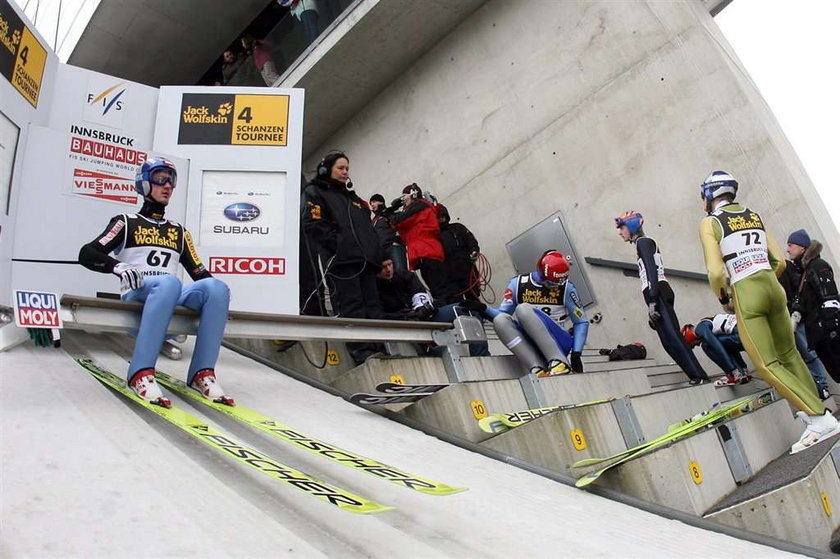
(738, 250)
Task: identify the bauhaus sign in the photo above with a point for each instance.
(233, 119)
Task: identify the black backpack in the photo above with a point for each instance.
(628, 352)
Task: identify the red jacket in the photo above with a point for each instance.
(418, 226)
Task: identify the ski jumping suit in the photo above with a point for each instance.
(539, 312)
(657, 290)
(737, 248)
(155, 247)
(720, 341)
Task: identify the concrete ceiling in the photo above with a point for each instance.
(365, 52)
(161, 42)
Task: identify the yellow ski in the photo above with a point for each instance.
(321, 448)
(231, 448)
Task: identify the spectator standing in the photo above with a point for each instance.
(818, 301)
(231, 62)
(460, 250)
(790, 280)
(306, 11)
(337, 223)
(260, 52)
(392, 245)
(418, 226)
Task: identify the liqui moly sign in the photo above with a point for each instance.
(36, 309)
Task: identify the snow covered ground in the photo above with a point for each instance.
(85, 472)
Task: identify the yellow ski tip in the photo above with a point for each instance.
(443, 490)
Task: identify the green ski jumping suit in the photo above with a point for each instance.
(737, 248)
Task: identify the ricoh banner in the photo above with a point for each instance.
(244, 147)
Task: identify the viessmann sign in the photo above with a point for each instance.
(233, 119)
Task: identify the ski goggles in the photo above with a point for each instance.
(160, 177)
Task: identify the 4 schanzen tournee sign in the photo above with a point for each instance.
(22, 57)
(234, 119)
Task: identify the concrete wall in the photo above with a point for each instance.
(590, 108)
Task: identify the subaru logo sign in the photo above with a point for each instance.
(242, 211)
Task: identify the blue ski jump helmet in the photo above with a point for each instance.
(142, 182)
(717, 184)
(632, 219)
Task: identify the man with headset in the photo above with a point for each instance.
(337, 223)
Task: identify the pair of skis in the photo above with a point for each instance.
(227, 445)
(496, 423)
(393, 393)
(708, 419)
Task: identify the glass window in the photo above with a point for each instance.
(9, 133)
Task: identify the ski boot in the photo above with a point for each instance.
(538, 372)
(727, 380)
(818, 428)
(556, 368)
(143, 384)
(171, 351)
(205, 383)
(742, 376)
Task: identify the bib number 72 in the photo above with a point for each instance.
(751, 238)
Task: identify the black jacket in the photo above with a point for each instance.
(338, 223)
(458, 245)
(386, 233)
(396, 293)
(790, 282)
(817, 289)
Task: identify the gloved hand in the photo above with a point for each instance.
(130, 277)
(422, 304)
(577, 363)
(795, 318)
(653, 314)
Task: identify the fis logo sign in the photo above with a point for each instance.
(36, 309)
(109, 99)
(105, 101)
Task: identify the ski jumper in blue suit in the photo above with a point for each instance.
(657, 291)
(531, 317)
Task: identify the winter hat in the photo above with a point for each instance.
(377, 198)
(800, 237)
(413, 189)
